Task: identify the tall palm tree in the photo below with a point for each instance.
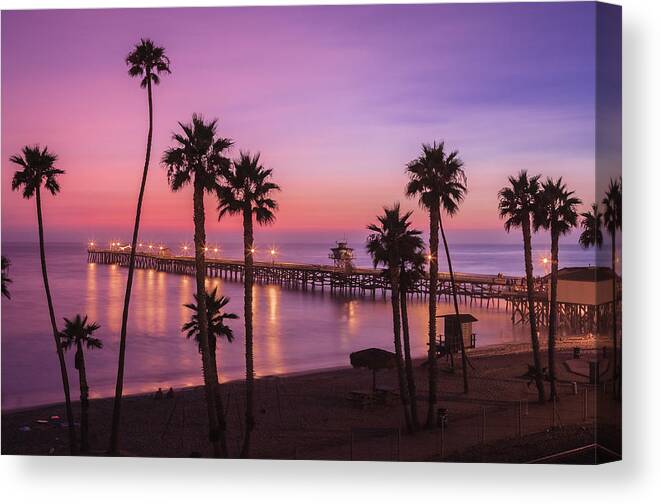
(78, 333)
(198, 159)
(38, 169)
(390, 239)
(613, 222)
(438, 180)
(411, 271)
(591, 223)
(248, 191)
(557, 213)
(516, 204)
(146, 61)
(5, 277)
(216, 329)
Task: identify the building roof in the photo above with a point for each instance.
(463, 317)
(585, 274)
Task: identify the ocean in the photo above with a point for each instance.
(294, 330)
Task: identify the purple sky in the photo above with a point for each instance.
(337, 99)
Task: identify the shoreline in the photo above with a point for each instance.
(309, 415)
(496, 349)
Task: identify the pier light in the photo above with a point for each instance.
(151, 247)
(206, 249)
(215, 250)
(545, 260)
(252, 250)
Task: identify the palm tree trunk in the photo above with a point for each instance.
(433, 288)
(200, 275)
(464, 361)
(615, 356)
(396, 324)
(84, 399)
(247, 313)
(530, 289)
(56, 336)
(553, 314)
(119, 386)
(408, 362)
(220, 410)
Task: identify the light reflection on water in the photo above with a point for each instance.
(294, 330)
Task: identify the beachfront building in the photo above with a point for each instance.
(585, 301)
(591, 286)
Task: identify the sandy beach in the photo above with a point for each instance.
(308, 416)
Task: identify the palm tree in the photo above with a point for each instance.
(613, 222)
(411, 271)
(516, 204)
(439, 182)
(557, 213)
(147, 61)
(78, 333)
(198, 159)
(5, 277)
(248, 191)
(216, 329)
(591, 223)
(389, 240)
(38, 169)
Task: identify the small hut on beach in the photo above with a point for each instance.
(451, 327)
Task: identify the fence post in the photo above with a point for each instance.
(520, 420)
(585, 404)
(399, 438)
(442, 439)
(351, 447)
(554, 412)
(484, 424)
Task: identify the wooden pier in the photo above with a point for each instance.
(489, 291)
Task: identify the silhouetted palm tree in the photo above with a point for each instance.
(557, 213)
(517, 204)
(38, 169)
(78, 333)
(146, 61)
(198, 159)
(411, 271)
(439, 182)
(216, 317)
(248, 191)
(5, 277)
(591, 223)
(613, 222)
(390, 240)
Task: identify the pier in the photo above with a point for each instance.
(496, 291)
(487, 290)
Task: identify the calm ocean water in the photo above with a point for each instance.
(294, 330)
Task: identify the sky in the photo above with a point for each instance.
(336, 99)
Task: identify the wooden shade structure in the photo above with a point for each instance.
(373, 359)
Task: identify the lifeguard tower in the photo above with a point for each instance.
(342, 256)
(450, 341)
